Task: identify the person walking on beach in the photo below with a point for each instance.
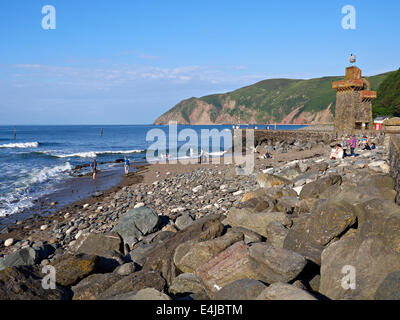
(353, 144)
(126, 165)
(94, 168)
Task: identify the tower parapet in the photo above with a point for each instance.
(354, 98)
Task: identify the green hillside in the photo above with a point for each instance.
(388, 98)
(268, 100)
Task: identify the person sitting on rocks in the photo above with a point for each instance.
(373, 146)
(337, 153)
(366, 147)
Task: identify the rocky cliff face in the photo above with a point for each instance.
(285, 101)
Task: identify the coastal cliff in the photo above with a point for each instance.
(286, 101)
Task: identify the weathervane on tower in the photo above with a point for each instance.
(352, 59)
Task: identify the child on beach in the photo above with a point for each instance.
(94, 168)
(337, 153)
(126, 165)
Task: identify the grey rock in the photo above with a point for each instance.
(183, 221)
(273, 264)
(186, 283)
(284, 291)
(137, 222)
(389, 289)
(26, 256)
(243, 289)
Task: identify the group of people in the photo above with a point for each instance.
(94, 167)
(340, 150)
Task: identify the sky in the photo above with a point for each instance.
(129, 61)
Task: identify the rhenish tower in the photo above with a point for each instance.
(353, 113)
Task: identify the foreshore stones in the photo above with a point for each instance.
(369, 259)
(161, 257)
(190, 255)
(230, 265)
(243, 289)
(137, 222)
(186, 283)
(25, 283)
(255, 221)
(26, 256)
(272, 264)
(284, 291)
(266, 180)
(9, 242)
(313, 189)
(72, 268)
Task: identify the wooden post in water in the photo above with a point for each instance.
(15, 132)
(101, 132)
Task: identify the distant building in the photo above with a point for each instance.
(378, 121)
(353, 113)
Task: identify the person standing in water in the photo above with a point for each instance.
(94, 168)
(126, 165)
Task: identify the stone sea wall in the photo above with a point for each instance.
(394, 159)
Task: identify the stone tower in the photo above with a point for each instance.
(353, 113)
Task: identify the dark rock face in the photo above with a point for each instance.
(161, 257)
(134, 282)
(272, 264)
(26, 256)
(389, 289)
(70, 269)
(94, 285)
(380, 217)
(371, 259)
(313, 189)
(107, 246)
(230, 265)
(25, 283)
(136, 223)
(243, 289)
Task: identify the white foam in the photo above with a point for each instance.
(21, 145)
(20, 198)
(94, 154)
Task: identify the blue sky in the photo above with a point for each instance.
(128, 61)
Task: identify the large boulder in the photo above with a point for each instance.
(255, 221)
(161, 257)
(313, 189)
(299, 240)
(26, 256)
(370, 259)
(328, 221)
(143, 294)
(186, 283)
(230, 265)
(25, 283)
(284, 291)
(70, 269)
(243, 289)
(135, 282)
(276, 234)
(272, 264)
(107, 246)
(136, 223)
(92, 287)
(190, 255)
(380, 217)
(266, 180)
(389, 289)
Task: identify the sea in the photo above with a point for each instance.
(38, 159)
